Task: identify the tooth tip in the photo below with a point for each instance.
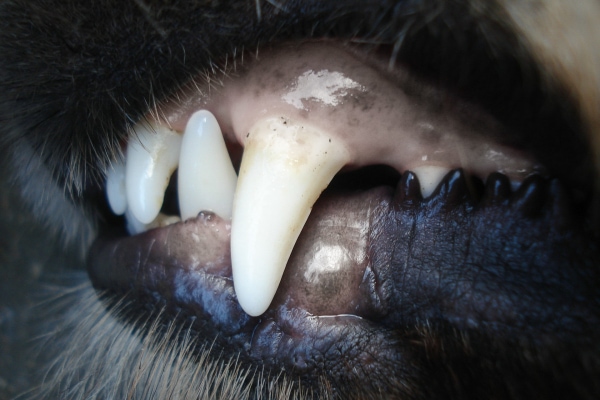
(254, 294)
(115, 188)
(256, 271)
(253, 305)
(430, 177)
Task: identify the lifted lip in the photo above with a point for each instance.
(446, 263)
(186, 268)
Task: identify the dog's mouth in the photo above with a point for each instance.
(323, 209)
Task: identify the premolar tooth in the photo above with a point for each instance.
(285, 167)
(115, 188)
(152, 156)
(206, 178)
(430, 177)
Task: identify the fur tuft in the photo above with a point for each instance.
(93, 355)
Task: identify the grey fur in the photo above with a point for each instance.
(95, 356)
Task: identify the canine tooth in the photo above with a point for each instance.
(285, 167)
(152, 156)
(115, 188)
(430, 177)
(206, 178)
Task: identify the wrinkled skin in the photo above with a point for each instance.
(480, 291)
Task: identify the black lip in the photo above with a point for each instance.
(185, 269)
(471, 257)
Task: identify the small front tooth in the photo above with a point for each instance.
(206, 179)
(430, 177)
(134, 226)
(152, 156)
(164, 220)
(285, 167)
(115, 188)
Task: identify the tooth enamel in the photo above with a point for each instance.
(134, 226)
(206, 178)
(152, 156)
(115, 188)
(164, 220)
(285, 167)
(430, 177)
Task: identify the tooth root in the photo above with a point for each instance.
(206, 178)
(152, 156)
(430, 177)
(285, 167)
(115, 188)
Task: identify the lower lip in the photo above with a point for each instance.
(185, 269)
(189, 262)
(403, 260)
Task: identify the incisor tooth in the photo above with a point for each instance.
(115, 188)
(285, 167)
(430, 177)
(152, 156)
(134, 226)
(206, 178)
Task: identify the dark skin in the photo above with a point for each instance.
(477, 282)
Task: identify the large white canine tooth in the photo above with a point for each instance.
(430, 177)
(115, 188)
(285, 167)
(206, 179)
(152, 156)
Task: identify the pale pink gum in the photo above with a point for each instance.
(367, 110)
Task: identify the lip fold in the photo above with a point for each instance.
(188, 264)
(328, 298)
(369, 265)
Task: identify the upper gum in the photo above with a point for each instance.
(398, 129)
